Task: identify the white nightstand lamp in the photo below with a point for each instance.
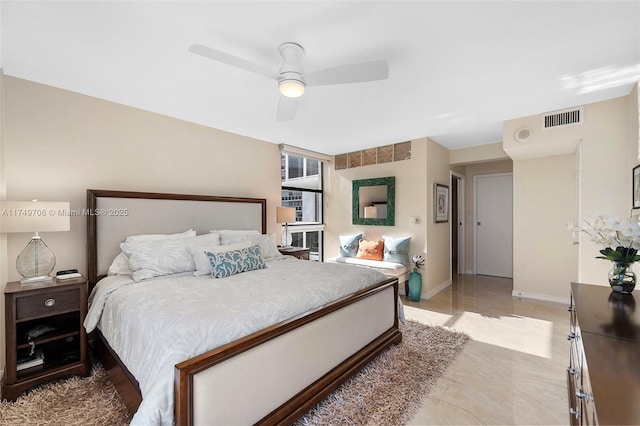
(36, 261)
(285, 215)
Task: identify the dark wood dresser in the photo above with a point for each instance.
(603, 378)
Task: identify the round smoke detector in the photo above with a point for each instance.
(523, 134)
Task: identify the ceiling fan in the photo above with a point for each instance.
(291, 78)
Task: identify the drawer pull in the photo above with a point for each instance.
(572, 371)
(583, 395)
(49, 302)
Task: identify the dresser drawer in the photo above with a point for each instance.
(45, 304)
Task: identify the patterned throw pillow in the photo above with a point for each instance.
(372, 250)
(397, 250)
(349, 245)
(233, 262)
(202, 261)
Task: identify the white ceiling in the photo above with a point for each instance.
(457, 70)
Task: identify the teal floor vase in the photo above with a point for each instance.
(415, 286)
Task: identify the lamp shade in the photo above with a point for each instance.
(285, 214)
(34, 216)
(370, 212)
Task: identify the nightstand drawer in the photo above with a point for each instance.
(47, 304)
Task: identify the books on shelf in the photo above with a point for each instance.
(31, 361)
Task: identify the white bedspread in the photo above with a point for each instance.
(154, 324)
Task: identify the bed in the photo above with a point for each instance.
(269, 373)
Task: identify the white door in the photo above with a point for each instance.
(494, 225)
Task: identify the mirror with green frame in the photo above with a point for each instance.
(373, 201)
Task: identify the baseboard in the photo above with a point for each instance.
(540, 296)
(438, 289)
(469, 272)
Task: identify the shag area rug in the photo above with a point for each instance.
(386, 391)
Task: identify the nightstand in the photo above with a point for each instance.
(57, 309)
(299, 252)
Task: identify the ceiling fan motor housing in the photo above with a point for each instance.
(291, 69)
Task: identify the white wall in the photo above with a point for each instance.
(57, 144)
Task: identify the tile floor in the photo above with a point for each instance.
(512, 371)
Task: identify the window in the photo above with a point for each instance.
(302, 190)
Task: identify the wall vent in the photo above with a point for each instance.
(564, 118)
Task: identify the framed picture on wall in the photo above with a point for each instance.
(441, 203)
(636, 187)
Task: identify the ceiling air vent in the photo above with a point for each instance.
(564, 118)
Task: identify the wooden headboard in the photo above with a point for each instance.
(114, 215)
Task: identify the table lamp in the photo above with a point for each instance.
(36, 261)
(370, 212)
(285, 215)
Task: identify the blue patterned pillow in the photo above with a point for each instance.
(233, 262)
(349, 245)
(397, 250)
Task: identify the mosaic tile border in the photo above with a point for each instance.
(382, 154)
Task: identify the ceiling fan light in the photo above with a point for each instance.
(291, 88)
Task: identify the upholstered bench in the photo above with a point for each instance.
(390, 269)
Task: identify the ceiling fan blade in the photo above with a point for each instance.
(228, 59)
(354, 73)
(287, 108)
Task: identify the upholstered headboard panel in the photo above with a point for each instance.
(114, 215)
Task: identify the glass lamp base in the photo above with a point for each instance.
(36, 279)
(36, 261)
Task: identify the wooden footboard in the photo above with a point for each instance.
(274, 376)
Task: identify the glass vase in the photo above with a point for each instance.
(621, 278)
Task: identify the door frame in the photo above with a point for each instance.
(461, 226)
(475, 214)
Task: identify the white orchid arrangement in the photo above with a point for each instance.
(418, 262)
(609, 232)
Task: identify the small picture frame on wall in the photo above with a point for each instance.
(636, 187)
(441, 203)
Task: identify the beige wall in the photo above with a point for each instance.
(3, 237)
(544, 198)
(411, 200)
(478, 154)
(438, 269)
(415, 180)
(57, 144)
(606, 151)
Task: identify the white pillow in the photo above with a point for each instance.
(268, 247)
(120, 265)
(227, 247)
(232, 236)
(152, 237)
(198, 250)
(155, 258)
(267, 242)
